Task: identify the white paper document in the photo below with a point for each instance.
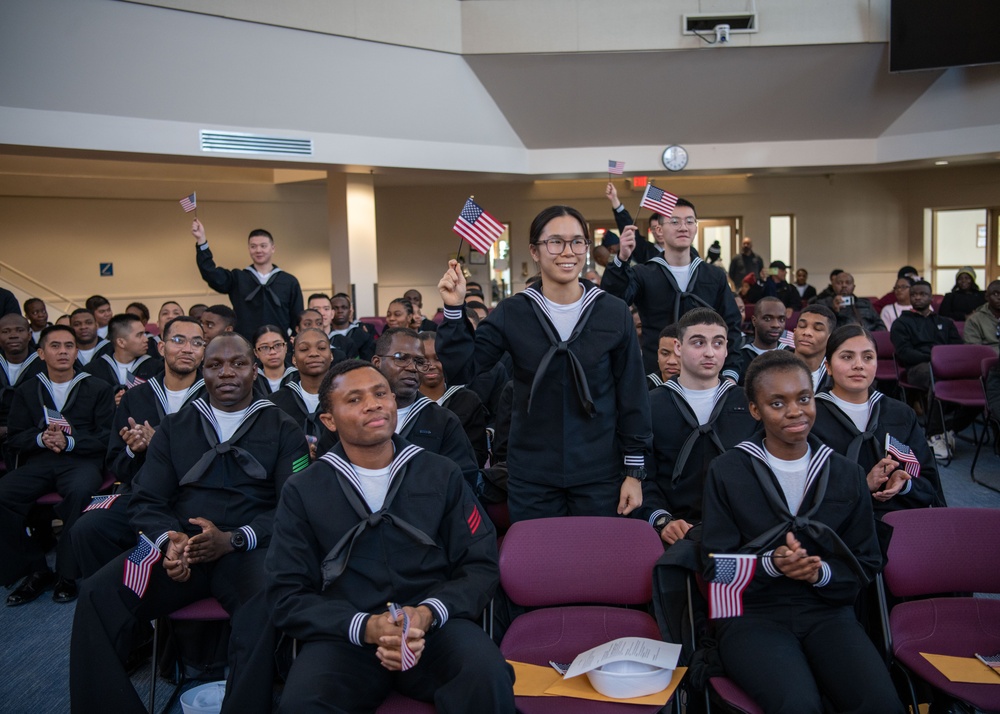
(631, 649)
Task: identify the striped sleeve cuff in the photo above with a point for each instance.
(70, 443)
(454, 313)
(635, 460)
(657, 513)
(251, 537)
(621, 207)
(203, 246)
(356, 630)
(906, 489)
(438, 608)
(825, 574)
(616, 262)
(162, 539)
(767, 560)
(38, 440)
(731, 374)
(128, 450)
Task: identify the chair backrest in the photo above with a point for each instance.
(987, 365)
(936, 301)
(960, 326)
(581, 559)
(792, 320)
(959, 361)
(942, 550)
(884, 348)
(376, 321)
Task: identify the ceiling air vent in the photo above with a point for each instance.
(230, 142)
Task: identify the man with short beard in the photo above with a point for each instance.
(104, 531)
(205, 499)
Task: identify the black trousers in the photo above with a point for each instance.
(101, 535)
(108, 615)
(527, 500)
(460, 671)
(76, 480)
(790, 662)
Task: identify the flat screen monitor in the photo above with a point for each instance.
(931, 34)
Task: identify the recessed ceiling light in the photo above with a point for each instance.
(940, 163)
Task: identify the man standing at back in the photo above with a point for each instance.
(745, 263)
(667, 286)
(262, 293)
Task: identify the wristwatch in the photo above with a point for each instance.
(238, 540)
(661, 522)
(636, 472)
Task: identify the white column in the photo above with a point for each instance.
(353, 245)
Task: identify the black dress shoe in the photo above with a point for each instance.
(33, 586)
(65, 591)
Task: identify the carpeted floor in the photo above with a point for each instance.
(34, 638)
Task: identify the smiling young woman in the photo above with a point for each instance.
(579, 437)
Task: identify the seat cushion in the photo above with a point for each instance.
(732, 695)
(396, 703)
(959, 627)
(560, 634)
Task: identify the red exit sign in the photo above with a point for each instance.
(639, 182)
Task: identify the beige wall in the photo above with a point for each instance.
(59, 229)
(868, 223)
(60, 241)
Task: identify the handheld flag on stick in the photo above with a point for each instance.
(101, 503)
(189, 203)
(656, 199)
(408, 658)
(903, 454)
(733, 574)
(477, 227)
(787, 339)
(131, 381)
(616, 167)
(53, 416)
(139, 565)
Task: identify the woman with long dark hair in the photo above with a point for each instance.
(854, 419)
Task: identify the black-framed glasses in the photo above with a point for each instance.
(275, 347)
(403, 360)
(555, 246)
(689, 222)
(195, 342)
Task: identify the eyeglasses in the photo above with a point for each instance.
(555, 246)
(195, 342)
(276, 347)
(403, 360)
(689, 222)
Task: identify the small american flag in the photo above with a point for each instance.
(55, 417)
(616, 167)
(406, 655)
(131, 381)
(139, 565)
(991, 661)
(656, 199)
(101, 503)
(189, 203)
(733, 574)
(478, 227)
(787, 338)
(903, 454)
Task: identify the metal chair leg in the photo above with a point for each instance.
(152, 672)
